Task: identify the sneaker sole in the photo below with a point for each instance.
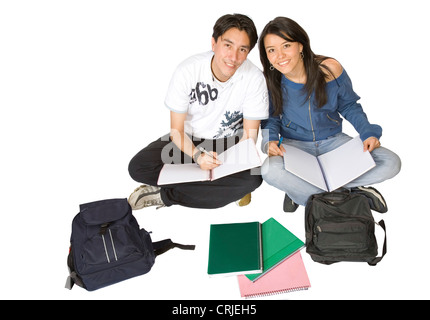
(139, 197)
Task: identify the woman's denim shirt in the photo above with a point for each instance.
(302, 120)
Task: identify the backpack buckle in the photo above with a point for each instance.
(103, 228)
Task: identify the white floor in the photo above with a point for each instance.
(83, 86)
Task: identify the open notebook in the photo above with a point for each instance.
(240, 157)
(333, 169)
(290, 275)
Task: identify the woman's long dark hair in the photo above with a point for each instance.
(316, 78)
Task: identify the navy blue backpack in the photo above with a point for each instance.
(107, 245)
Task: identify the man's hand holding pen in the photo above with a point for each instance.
(207, 160)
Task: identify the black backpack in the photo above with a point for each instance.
(340, 226)
(107, 246)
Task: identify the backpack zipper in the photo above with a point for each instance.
(113, 246)
(104, 244)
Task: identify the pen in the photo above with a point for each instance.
(280, 141)
(205, 152)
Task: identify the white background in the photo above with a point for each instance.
(82, 86)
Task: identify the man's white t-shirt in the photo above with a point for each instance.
(216, 109)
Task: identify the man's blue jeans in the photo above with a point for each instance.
(388, 165)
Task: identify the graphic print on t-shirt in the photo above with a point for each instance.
(231, 124)
(231, 121)
(203, 93)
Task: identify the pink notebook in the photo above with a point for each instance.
(289, 275)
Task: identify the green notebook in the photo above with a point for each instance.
(235, 248)
(278, 244)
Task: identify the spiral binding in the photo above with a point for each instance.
(271, 293)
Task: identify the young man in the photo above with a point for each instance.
(215, 99)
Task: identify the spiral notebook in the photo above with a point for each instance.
(288, 276)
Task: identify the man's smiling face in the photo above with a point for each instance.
(231, 50)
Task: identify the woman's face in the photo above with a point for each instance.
(284, 55)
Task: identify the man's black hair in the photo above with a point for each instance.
(239, 21)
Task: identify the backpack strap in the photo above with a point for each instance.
(165, 245)
(384, 248)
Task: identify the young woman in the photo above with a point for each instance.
(308, 95)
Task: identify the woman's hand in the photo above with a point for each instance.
(274, 150)
(371, 144)
(208, 162)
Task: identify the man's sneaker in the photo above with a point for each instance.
(375, 198)
(145, 196)
(244, 201)
(289, 205)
